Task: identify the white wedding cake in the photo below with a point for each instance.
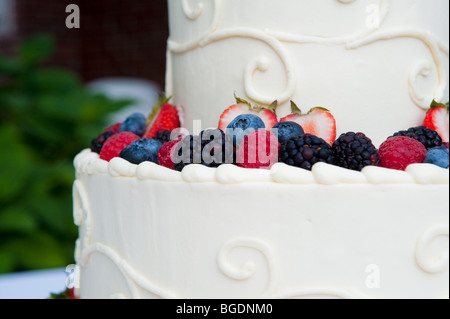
(229, 232)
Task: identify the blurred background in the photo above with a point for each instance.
(59, 88)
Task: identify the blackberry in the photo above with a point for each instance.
(427, 137)
(355, 151)
(163, 136)
(202, 150)
(305, 151)
(97, 143)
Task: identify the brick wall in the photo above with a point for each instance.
(116, 38)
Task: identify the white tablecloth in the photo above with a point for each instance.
(32, 284)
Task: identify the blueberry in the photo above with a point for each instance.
(287, 130)
(135, 123)
(141, 151)
(438, 156)
(243, 125)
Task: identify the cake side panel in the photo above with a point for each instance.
(149, 239)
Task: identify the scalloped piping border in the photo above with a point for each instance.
(90, 163)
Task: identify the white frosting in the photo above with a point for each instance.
(322, 174)
(393, 58)
(279, 233)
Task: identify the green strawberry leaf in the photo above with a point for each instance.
(435, 104)
(241, 101)
(273, 107)
(295, 109)
(319, 108)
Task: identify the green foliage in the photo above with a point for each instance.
(46, 118)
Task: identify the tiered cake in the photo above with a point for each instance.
(228, 232)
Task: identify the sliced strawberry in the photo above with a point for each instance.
(437, 119)
(267, 114)
(163, 117)
(318, 121)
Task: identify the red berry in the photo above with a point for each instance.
(266, 114)
(163, 117)
(318, 122)
(400, 152)
(113, 128)
(437, 119)
(166, 152)
(259, 149)
(72, 294)
(115, 144)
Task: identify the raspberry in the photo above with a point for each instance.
(97, 143)
(113, 128)
(115, 144)
(355, 151)
(258, 150)
(401, 151)
(305, 151)
(165, 154)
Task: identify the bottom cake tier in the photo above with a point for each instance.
(148, 232)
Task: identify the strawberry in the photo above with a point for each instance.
(437, 120)
(318, 121)
(267, 115)
(163, 117)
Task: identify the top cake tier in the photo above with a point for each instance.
(375, 64)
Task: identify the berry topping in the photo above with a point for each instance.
(135, 123)
(113, 128)
(163, 136)
(318, 121)
(259, 149)
(355, 151)
(243, 125)
(438, 156)
(166, 153)
(163, 117)
(427, 137)
(115, 144)
(143, 150)
(212, 149)
(437, 119)
(267, 115)
(305, 151)
(399, 152)
(287, 130)
(97, 143)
